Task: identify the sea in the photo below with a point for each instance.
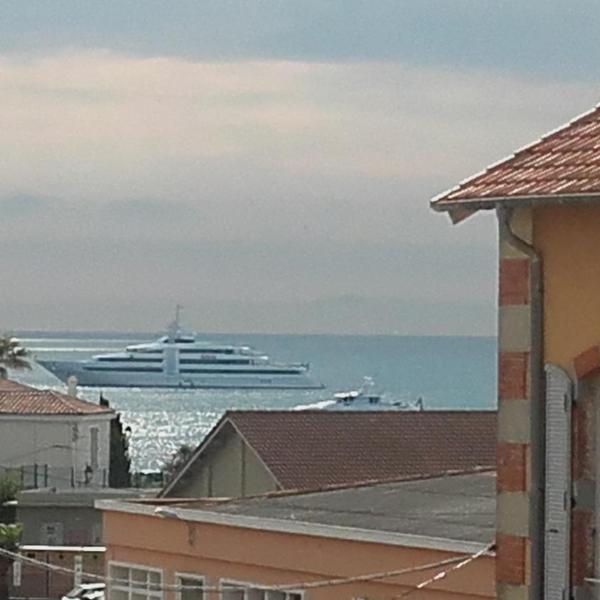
(446, 372)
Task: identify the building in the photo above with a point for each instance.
(380, 539)
(58, 579)
(253, 452)
(66, 516)
(547, 200)
(51, 439)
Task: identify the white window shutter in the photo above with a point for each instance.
(559, 400)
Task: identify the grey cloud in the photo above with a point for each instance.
(286, 210)
(141, 209)
(328, 315)
(16, 205)
(283, 287)
(517, 36)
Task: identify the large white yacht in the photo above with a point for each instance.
(179, 360)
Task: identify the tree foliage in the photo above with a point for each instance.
(119, 473)
(10, 535)
(177, 460)
(9, 488)
(12, 356)
(120, 461)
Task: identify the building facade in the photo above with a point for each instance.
(428, 538)
(59, 578)
(51, 439)
(66, 516)
(547, 199)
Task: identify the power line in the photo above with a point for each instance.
(443, 574)
(38, 450)
(369, 577)
(457, 562)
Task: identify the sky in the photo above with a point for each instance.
(268, 165)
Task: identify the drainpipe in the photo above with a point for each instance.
(537, 392)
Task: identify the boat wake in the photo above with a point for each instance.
(322, 404)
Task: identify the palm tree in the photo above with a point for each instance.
(10, 535)
(12, 356)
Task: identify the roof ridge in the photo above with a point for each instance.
(14, 383)
(67, 399)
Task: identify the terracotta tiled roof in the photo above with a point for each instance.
(305, 449)
(19, 399)
(312, 449)
(563, 164)
(8, 385)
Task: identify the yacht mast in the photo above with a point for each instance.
(174, 327)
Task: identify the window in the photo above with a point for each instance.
(187, 580)
(127, 359)
(232, 591)
(94, 447)
(52, 534)
(214, 361)
(133, 582)
(124, 369)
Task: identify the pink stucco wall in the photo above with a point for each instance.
(264, 557)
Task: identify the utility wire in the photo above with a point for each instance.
(38, 450)
(457, 562)
(443, 574)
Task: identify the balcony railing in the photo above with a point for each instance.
(34, 476)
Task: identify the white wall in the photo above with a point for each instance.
(62, 443)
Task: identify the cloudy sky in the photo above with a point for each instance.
(268, 164)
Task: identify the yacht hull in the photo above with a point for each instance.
(110, 378)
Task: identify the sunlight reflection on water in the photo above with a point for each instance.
(446, 372)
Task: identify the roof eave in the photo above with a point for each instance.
(460, 209)
(278, 525)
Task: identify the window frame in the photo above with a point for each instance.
(194, 576)
(258, 586)
(157, 594)
(58, 536)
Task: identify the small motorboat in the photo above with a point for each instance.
(418, 405)
(366, 393)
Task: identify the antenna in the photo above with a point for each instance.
(174, 328)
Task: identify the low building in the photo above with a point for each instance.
(375, 541)
(66, 517)
(254, 452)
(51, 439)
(58, 577)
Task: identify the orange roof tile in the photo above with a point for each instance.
(305, 449)
(564, 164)
(19, 399)
(8, 385)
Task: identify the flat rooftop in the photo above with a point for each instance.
(459, 507)
(81, 496)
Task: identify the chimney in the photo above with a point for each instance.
(72, 386)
